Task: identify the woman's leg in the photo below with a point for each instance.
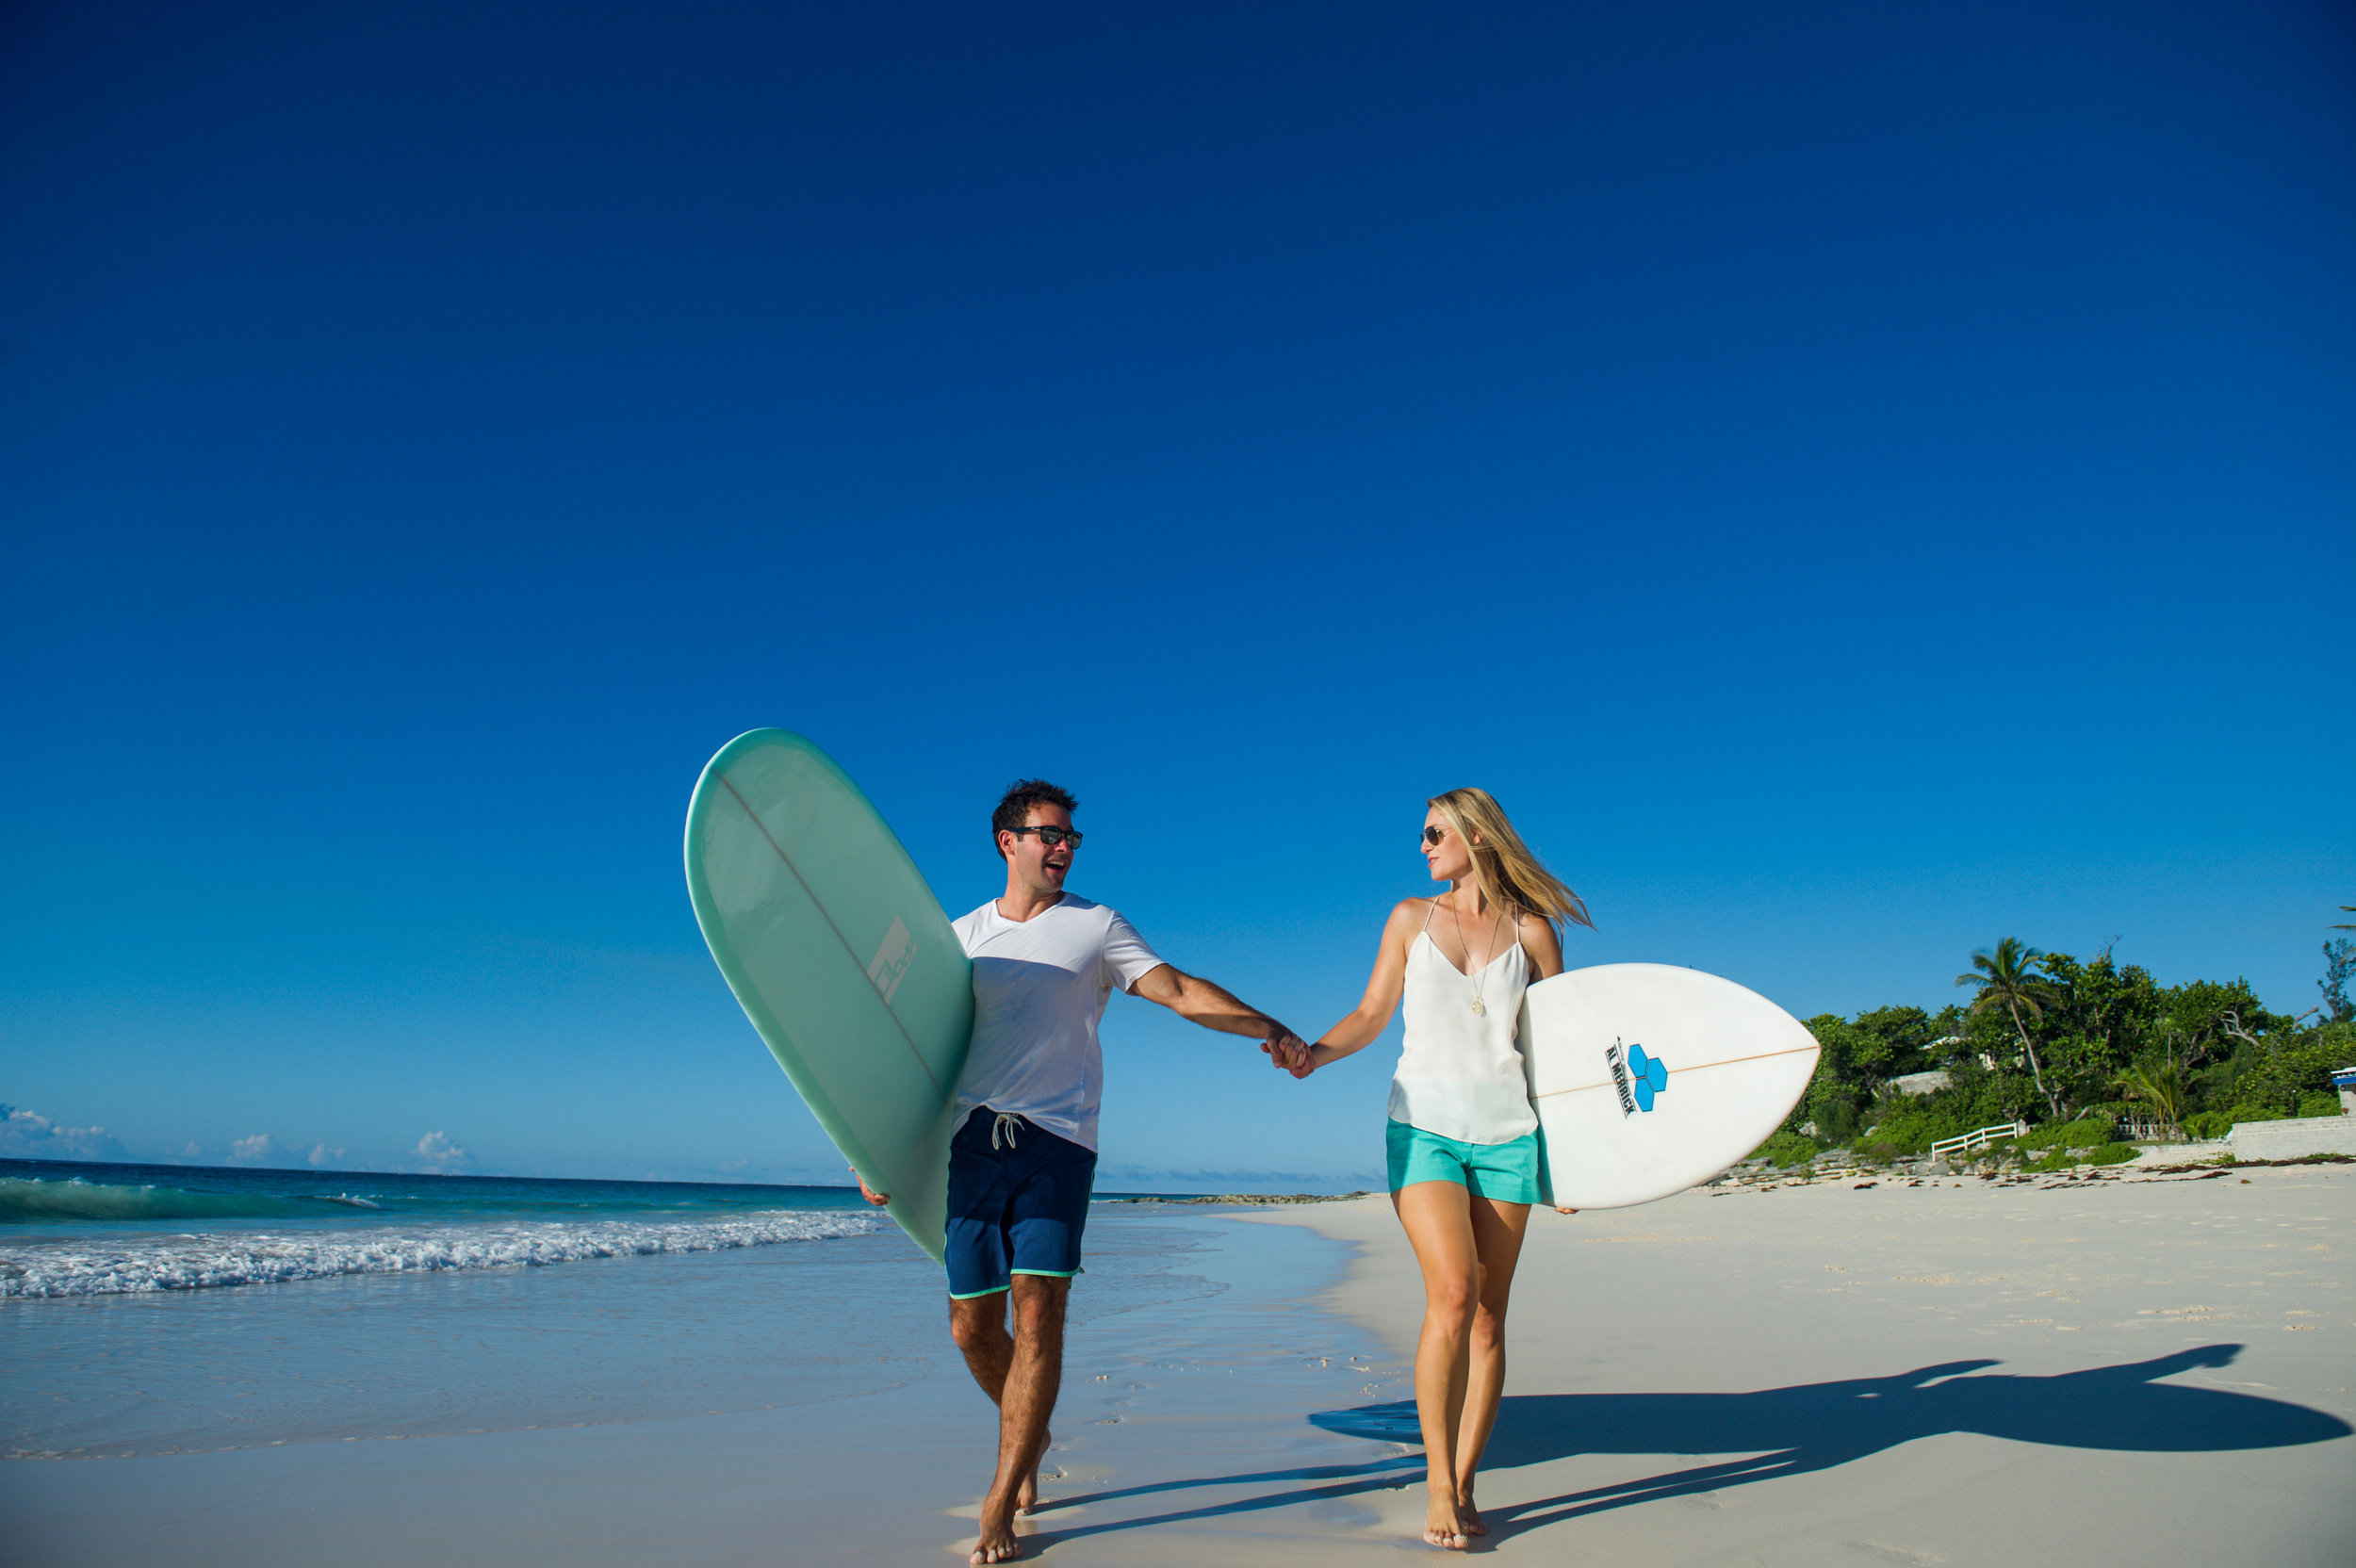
(1438, 1219)
(1497, 1233)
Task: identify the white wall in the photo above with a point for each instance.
(2288, 1140)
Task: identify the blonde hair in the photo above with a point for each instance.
(1504, 870)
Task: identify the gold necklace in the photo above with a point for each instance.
(1481, 975)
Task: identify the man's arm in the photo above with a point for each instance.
(1198, 1001)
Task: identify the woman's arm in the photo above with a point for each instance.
(1545, 957)
(1362, 1024)
(1543, 947)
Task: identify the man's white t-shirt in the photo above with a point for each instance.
(1040, 987)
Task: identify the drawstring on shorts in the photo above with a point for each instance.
(1008, 1123)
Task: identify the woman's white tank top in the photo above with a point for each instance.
(1459, 1072)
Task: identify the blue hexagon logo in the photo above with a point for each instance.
(1650, 1075)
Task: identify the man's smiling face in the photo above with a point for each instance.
(1040, 866)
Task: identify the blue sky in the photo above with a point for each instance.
(1856, 481)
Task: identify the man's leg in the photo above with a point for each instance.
(981, 1180)
(979, 1324)
(1028, 1377)
(1021, 1224)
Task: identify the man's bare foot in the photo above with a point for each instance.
(1027, 1495)
(1441, 1528)
(996, 1546)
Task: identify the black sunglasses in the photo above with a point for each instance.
(1051, 837)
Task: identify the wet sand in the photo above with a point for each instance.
(1176, 1410)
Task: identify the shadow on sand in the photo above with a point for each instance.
(1788, 1432)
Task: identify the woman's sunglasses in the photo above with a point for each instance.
(1051, 837)
(1433, 834)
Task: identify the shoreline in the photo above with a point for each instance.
(1789, 1373)
(1173, 1404)
(1239, 1199)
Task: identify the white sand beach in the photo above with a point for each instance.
(2131, 1370)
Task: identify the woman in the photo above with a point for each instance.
(1463, 1140)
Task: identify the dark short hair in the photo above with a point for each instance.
(1014, 806)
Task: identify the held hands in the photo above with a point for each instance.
(1288, 1052)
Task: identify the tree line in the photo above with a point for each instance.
(2051, 1038)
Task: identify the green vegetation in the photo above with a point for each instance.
(1786, 1149)
(2064, 1156)
(2006, 980)
(2091, 1132)
(2083, 1047)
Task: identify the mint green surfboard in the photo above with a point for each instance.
(842, 959)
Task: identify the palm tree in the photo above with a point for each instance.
(2347, 909)
(2003, 980)
(2162, 1087)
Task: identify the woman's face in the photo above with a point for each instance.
(1450, 860)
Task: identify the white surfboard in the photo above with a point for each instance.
(1649, 1079)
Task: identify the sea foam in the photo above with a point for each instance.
(202, 1262)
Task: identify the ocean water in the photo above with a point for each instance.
(106, 1229)
(151, 1310)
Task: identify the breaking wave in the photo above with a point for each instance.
(204, 1262)
(22, 1199)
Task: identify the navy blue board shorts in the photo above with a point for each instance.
(1017, 1201)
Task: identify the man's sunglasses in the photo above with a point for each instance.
(1051, 837)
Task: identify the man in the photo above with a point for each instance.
(1024, 1159)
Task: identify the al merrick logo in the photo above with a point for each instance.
(892, 960)
(1637, 1077)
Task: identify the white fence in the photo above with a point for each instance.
(1963, 1142)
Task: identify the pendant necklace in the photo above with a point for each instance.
(1480, 976)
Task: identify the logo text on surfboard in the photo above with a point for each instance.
(1619, 1077)
(890, 964)
(1636, 1075)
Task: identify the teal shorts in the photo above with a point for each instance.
(1502, 1172)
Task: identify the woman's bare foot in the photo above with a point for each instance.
(1441, 1528)
(1468, 1517)
(1027, 1495)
